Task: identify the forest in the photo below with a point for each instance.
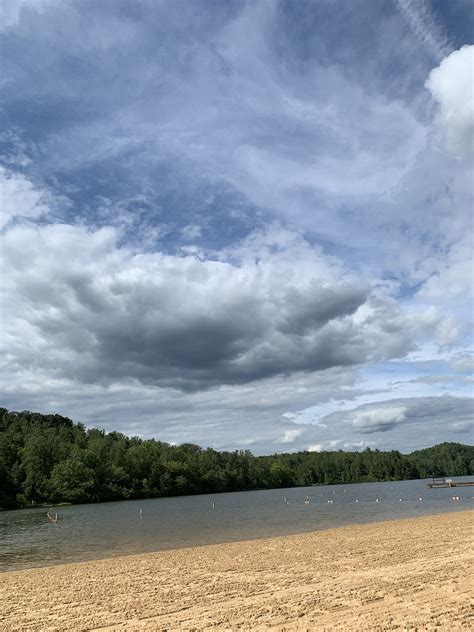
(50, 459)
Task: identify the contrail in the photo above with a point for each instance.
(420, 19)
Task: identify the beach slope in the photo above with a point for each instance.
(411, 574)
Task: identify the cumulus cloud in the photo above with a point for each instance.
(413, 422)
(94, 311)
(379, 419)
(80, 305)
(452, 86)
(446, 270)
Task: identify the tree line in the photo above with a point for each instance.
(50, 459)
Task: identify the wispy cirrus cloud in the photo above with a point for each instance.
(422, 21)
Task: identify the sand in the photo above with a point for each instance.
(411, 574)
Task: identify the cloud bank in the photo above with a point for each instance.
(96, 312)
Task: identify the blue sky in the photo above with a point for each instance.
(240, 224)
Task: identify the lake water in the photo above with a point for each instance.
(94, 531)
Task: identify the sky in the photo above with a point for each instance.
(242, 224)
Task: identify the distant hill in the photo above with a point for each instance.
(50, 459)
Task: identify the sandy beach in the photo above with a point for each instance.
(411, 574)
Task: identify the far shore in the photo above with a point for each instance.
(398, 575)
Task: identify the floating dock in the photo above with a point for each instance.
(448, 482)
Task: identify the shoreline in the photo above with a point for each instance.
(235, 491)
(399, 573)
(122, 555)
(12, 562)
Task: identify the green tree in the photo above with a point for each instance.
(72, 481)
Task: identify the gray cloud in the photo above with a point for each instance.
(227, 417)
(253, 416)
(99, 313)
(379, 419)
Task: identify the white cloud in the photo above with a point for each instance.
(316, 447)
(19, 198)
(452, 86)
(379, 419)
(339, 444)
(463, 362)
(191, 231)
(290, 436)
(453, 277)
(409, 421)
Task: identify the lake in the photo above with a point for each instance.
(94, 531)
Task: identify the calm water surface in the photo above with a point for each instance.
(87, 532)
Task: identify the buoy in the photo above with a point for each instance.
(213, 505)
(357, 500)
